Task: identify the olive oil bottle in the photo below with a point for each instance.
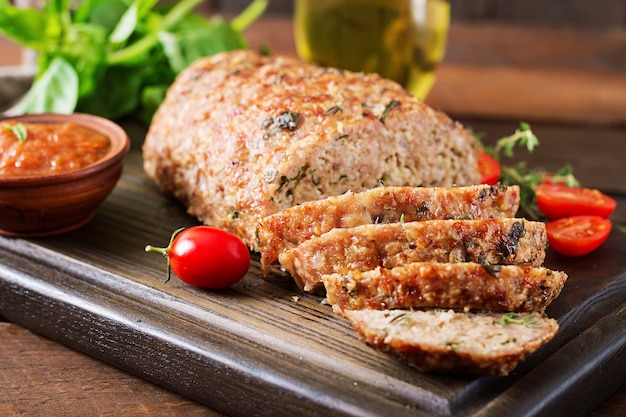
(400, 39)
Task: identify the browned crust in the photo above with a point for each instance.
(241, 136)
(443, 354)
(506, 241)
(290, 227)
(446, 285)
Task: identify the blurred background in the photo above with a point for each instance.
(600, 14)
(541, 54)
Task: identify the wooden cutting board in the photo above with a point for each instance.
(263, 348)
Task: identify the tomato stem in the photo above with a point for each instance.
(165, 251)
(154, 249)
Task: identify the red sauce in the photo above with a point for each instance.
(49, 149)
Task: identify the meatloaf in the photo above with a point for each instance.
(513, 241)
(241, 136)
(448, 341)
(386, 204)
(465, 286)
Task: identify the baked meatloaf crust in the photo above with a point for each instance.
(442, 340)
(241, 136)
(448, 285)
(512, 241)
(292, 226)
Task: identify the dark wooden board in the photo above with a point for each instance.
(263, 348)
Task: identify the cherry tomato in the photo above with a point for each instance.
(206, 257)
(559, 200)
(489, 168)
(577, 235)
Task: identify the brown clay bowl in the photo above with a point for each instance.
(37, 206)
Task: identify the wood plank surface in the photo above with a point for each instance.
(40, 378)
(264, 346)
(570, 77)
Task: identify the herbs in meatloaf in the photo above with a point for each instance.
(369, 246)
(466, 286)
(442, 340)
(384, 204)
(252, 135)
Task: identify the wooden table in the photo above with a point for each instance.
(572, 86)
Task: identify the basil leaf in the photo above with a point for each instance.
(24, 26)
(56, 90)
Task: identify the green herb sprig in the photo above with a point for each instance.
(115, 58)
(524, 136)
(519, 174)
(388, 108)
(516, 318)
(19, 130)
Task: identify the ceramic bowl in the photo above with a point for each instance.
(37, 206)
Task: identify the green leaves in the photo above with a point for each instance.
(19, 130)
(56, 90)
(115, 57)
(519, 174)
(523, 136)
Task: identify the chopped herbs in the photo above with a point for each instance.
(508, 245)
(19, 130)
(493, 270)
(422, 209)
(285, 120)
(303, 172)
(388, 107)
(406, 319)
(516, 318)
(286, 181)
(333, 110)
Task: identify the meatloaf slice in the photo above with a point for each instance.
(512, 241)
(241, 136)
(448, 285)
(290, 227)
(447, 341)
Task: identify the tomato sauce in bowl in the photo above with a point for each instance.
(43, 149)
(56, 170)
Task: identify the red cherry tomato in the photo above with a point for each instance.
(206, 257)
(489, 168)
(577, 235)
(559, 200)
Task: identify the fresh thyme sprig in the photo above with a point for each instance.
(523, 136)
(519, 174)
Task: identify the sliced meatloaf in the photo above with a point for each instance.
(512, 241)
(448, 285)
(442, 340)
(241, 136)
(290, 227)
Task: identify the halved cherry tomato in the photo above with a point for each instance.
(577, 235)
(559, 200)
(488, 167)
(206, 257)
